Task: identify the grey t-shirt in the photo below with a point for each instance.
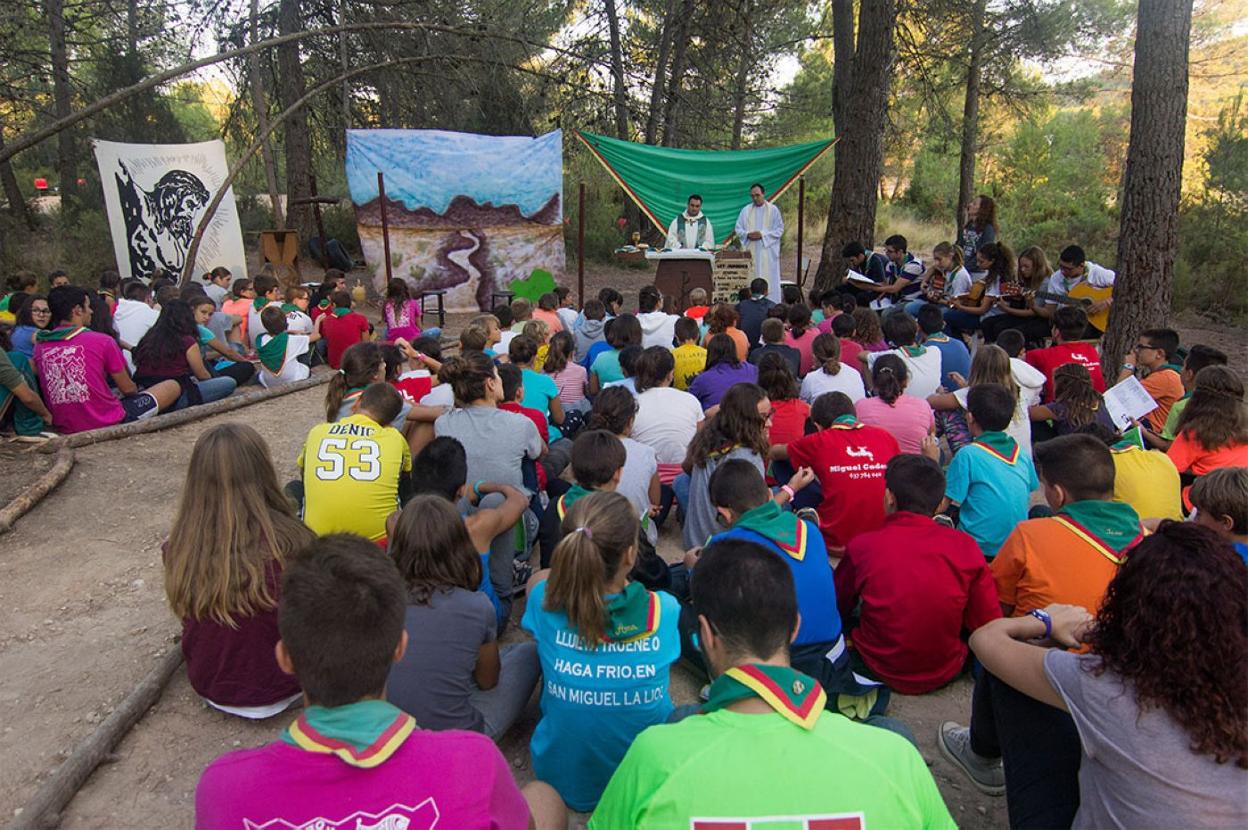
(1138, 768)
(640, 466)
(495, 441)
(700, 513)
(433, 682)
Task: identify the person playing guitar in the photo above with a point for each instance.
(1017, 301)
(943, 279)
(967, 311)
(1078, 278)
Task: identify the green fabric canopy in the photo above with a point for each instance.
(661, 179)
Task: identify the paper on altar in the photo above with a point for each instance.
(1126, 400)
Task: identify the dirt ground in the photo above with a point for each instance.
(83, 619)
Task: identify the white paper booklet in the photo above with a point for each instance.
(854, 276)
(1126, 400)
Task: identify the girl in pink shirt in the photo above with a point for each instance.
(908, 418)
(801, 335)
(570, 377)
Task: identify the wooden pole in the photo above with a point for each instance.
(320, 223)
(385, 226)
(801, 217)
(580, 244)
(47, 482)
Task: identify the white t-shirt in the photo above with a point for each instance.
(819, 382)
(567, 316)
(254, 327)
(667, 420)
(1096, 276)
(1030, 380)
(924, 370)
(298, 323)
(441, 395)
(292, 369)
(132, 319)
(640, 466)
(1020, 425)
(504, 342)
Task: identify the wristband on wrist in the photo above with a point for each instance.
(1129, 366)
(1043, 616)
(476, 489)
(789, 490)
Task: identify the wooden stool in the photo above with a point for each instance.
(280, 248)
(441, 311)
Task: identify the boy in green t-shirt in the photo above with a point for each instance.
(764, 746)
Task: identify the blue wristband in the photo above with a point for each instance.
(476, 489)
(1043, 616)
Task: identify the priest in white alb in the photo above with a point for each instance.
(759, 227)
(691, 229)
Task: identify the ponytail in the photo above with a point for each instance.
(599, 530)
(951, 250)
(889, 375)
(826, 349)
(559, 353)
(360, 363)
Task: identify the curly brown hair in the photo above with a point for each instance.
(721, 318)
(736, 424)
(1072, 385)
(1177, 609)
(1214, 416)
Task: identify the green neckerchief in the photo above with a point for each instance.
(1131, 439)
(845, 421)
(323, 305)
(4, 302)
(287, 308)
(769, 520)
(575, 493)
(1114, 524)
(937, 338)
(273, 352)
(339, 311)
(1176, 367)
(259, 303)
(680, 230)
(363, 734)
(63, 333)
(632, 614)
(795, 697)
(914, 351)
(999, 444)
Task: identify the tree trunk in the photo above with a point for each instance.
(843, 59)
(970, 118)
(67, 162)
(1148, 233)
(343, 66)
(261, 105)
(660, 73)
(741, 86)
(680, 45)
(13, 193)
(618, 91)
(860, 151)
(290, 88)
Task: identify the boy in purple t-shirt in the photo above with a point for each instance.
(75, 365)
(351, 759)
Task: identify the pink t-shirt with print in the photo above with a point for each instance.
(73, 378)
(908, 419)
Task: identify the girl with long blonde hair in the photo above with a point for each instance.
(606, 646)
(233, 532)
(989, 365)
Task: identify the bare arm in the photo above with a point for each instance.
(943, 401)
(1000, 646)
(33, 402)
(124, 383)
(488, 667)
(485, 524)
(556, 411)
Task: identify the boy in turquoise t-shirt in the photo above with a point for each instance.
(991, 478)
(764, 747)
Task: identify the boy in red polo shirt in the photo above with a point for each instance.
(848, 457)
(920, 585)
(1069, 324)
(343, 328)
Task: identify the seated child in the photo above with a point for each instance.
(1198, 357)
(616, 411)
(1145, 479)
(351, 467)
(917, 585)
(1154, 356)
(606, 646)
(502, 316)
(1218, 503)
(990, 479)
(20, 404)
(280, 351)
(1075, 403)
(773, 343)
(547, 311)
(364, 364)
(267, 292)
(350, 753)
(845, 328)
(567, 309)
(225, 586)
(570, 377)
(228, 362)
(296, 307)
(540, 391)
(342, 328)
(512, 382)
(412, 368)
(1212, 432)
(1069, 325)
(697, 305)
(597, 462)
(830, 372)
(401, 312)
(589, 330)
(764, 722)
(848, 458)
(955, 358)
(689, 356)
(454, 674)
(604, 368)
(242, 292)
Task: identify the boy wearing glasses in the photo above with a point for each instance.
(1152, 360)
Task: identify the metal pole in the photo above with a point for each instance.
(385, 226)
(580, 244)
(801, 216)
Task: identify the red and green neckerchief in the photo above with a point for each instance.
(1132, 439)
(363, 734)
(1111, 528)
(633, 614)
(845, 422)
(353, 394)
(272, 352)
(575, 493)
(768, 520)
(796, 697)
(56, 335)
(290, 308)
(998, 445)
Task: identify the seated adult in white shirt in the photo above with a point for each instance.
(922, 362)
(1074, 268)
(658, 328)
(691, 229)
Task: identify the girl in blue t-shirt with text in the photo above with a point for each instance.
(605, 645)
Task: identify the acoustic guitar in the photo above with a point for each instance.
(1083, 295)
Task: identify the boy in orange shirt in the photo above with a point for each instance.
(1154, 360)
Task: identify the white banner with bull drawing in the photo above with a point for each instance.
(156, 194)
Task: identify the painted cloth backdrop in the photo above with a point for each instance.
(155, 195)
(661, 179)
(466, 213)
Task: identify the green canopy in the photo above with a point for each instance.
(661, 179)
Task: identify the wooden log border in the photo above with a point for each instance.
(43, 810)
(21, 504)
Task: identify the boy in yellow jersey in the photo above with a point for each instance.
(690, 357)
(352, 468)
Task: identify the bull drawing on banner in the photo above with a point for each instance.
(160, 222)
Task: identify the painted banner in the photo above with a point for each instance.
(155, 195)
(466, 213)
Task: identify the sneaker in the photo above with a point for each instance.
(942, 519)
(808, 514)
(986, 774)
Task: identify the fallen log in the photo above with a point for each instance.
(44, 809)
(182, 416)
(32, 495)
